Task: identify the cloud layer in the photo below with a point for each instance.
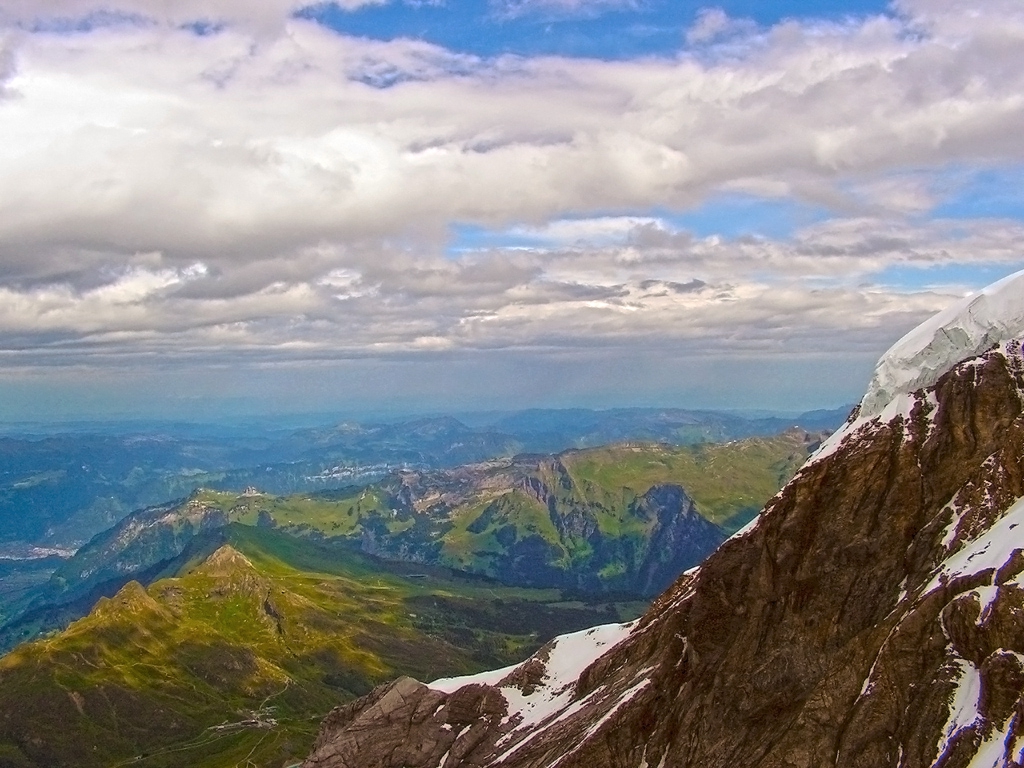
(277, 191)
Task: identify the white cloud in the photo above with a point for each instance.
(517, 8)
(319, 201)
(714, 24)
(659, 287)
(262, 17)
(588, 231)
(205, 145)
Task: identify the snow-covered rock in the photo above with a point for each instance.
(564, 660)
(963, 330)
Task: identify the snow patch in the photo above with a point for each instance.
(963, 711)
(740, 533)
(903, 592)
(990, 550)
(568, 711)
(491, 677)
(868, 686)
(967, 328)
(551, 701)
(645, 764)
(569, 655)
(986, 596)
(623, 700)
(901, 406)
(990, 753)
(990, 465)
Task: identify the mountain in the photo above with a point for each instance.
(551, 431)
(59, 490)
(240, 651)
(223, 627)
(627, 517)
(624, 519)
(873, 615)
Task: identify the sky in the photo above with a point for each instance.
(263, 206)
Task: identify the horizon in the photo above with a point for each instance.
(298, 421)
(228, 210)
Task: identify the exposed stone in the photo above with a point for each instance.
(823, 636)
(1002, 682)
(407, 724)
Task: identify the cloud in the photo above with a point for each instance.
(593, 231)
(511, 9)
(202, 147)
(656, 287)
(290, 198)
(713, 24)
(262, 17)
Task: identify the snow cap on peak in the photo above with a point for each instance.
(967, 328)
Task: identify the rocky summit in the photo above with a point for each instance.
(873, 615)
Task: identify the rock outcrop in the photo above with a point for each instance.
(872, 616)
(682, 538)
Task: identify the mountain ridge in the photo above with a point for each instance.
(867, 618)
(61, 489)
(243, 647)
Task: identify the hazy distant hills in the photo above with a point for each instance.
(623, 519)
(61, 489)
(555, 430)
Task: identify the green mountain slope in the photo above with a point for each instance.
(238, 655)
(618, 519)
(62, 484)
(627, 517)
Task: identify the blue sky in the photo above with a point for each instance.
(728, 216)
(609, 31)
(227, 205)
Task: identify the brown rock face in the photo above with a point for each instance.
(406, 723)
(861, 623)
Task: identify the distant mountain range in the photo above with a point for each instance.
(59, 490)
(222, 627)
(620, 519)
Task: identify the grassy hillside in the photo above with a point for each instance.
(729, 482)
(601, 520)
(239, 655)
(262, 612)
(580, 519)
(60, 486)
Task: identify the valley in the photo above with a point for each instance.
(60, 488)
(620, 519)
(221, 628)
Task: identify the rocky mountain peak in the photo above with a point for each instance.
(872, 616)
(225, 561)
(131, 599)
